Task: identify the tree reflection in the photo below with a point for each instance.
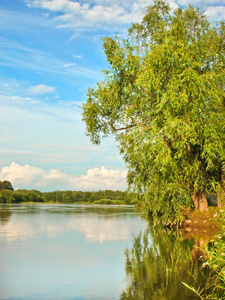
(158, 263)
(5, 214)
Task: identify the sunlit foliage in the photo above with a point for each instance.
(162, 98)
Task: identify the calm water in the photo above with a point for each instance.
(64, 251)
(90, 252)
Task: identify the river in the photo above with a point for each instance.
(83, 252)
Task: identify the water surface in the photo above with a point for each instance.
(85, 252)
(65, 251)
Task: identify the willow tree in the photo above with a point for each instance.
(163, 100)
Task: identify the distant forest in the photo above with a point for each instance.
(8, 195)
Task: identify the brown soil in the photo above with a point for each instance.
(201, 225)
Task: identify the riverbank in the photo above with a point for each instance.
(207, 229)
(202, 224)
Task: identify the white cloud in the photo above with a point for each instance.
(95, 228)
(102, 177)
(17, 99)
(77, 56)
(97, 13)
(17, 55)
(69, 65)
(74, 14)
(41, 89)
(200, 3)
(9, 85)
(216, 12)
(37, 156)
(70, 103)
(8, 138)
(31, 177)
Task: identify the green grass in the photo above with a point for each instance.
(215, 261)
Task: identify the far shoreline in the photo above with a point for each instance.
(78, 203)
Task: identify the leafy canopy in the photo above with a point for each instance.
(163, 100)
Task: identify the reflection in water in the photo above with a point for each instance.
(77, 252)
(5, 214)
(65, 251)
(97, 223)
(155, 270)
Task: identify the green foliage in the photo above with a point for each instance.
(7, 196)
(21, 196)
(216, 262)
(28, 196)
(6, 192)
(35, 196)
(163, 100)
(66, 197)
(109, 202)
(6, 185)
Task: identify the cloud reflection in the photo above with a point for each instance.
(93, 227)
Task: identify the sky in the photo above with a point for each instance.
(50, 54)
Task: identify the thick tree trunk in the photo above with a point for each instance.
(221, 192)
(200, 201)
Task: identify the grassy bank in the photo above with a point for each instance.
(215, 260)
(213, 251)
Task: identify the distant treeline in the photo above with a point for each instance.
(8, 195)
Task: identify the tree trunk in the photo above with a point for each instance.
(221, 192)
(200, 201)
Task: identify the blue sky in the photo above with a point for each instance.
(50, 53)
